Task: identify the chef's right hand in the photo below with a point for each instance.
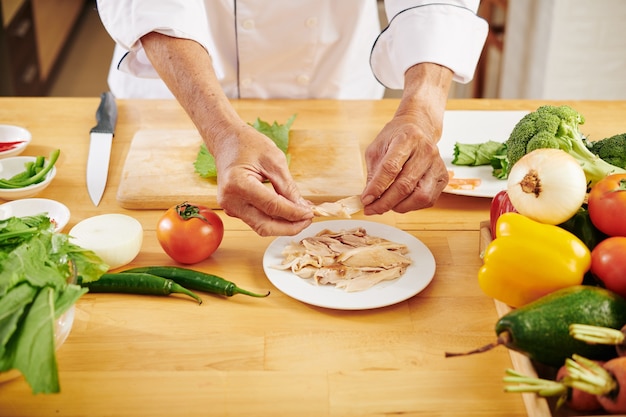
(245, 159)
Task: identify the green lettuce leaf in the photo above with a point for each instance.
(204, 165)
(278, 133)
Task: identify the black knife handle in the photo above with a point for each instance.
(106, 115)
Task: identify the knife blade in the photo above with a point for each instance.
(100, 141)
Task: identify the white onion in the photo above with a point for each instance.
(115, 238)
(547, 185)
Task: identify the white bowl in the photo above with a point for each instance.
(14, 165)
(57, 212)
(63, 326)
(10, 133)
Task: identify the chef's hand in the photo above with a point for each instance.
(405, 171)
(244, 160)
(244, 157)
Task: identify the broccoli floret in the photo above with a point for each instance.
(557, 127)
(543, 139)
(612, 149)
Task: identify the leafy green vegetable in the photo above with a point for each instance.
(485, 153)
(581, 226)
(11, 309)
(278, 133)
(34, 350)
(205, 163)
(37, 267)
(475, 154)
(611, 149)
(500, 163)
(205, 166)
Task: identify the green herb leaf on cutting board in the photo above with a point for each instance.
(205, 163)
(279, 133)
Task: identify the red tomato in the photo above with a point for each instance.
(607, 205)
(608, 263)
(190, 233)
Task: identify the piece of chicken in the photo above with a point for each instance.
(344, 208)
(373, 257)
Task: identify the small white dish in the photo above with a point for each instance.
(14, 165)
(57, 212)
(10, 133)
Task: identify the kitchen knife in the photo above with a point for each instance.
(100, 140)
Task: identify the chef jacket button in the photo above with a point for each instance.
(248, 24)
(303, 79)
(246, 82)
(311, 22)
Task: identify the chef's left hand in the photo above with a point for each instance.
(405, 171)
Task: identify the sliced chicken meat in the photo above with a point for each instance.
(373, 257)
(344, 208)
(368, 280)
(349, 259)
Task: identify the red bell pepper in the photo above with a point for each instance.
(499, 204)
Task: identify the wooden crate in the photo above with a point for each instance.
(536, 406)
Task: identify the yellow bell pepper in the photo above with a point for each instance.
(528, 259)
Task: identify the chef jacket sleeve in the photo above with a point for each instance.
(445, 33)
(127, 21)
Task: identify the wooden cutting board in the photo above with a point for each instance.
(159, 173)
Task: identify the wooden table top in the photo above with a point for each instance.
(130, 355)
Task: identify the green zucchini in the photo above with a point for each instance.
(540, 330)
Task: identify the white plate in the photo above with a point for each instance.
(58, 212)
(11, 133)
(417, 276)
(476, 126)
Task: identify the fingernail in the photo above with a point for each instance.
(368, 199)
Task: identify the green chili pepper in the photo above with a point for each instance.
(29, 171)
(196, 280)
(33, 172)
(137, 283)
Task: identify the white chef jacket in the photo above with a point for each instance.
(296, 48)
